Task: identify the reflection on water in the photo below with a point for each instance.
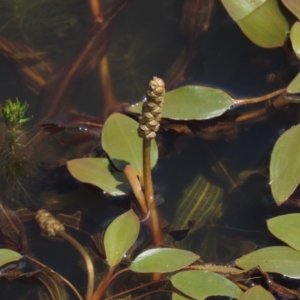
(146, 41)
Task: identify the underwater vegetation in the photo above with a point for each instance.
(151, 151)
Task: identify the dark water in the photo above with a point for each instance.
(145, 42)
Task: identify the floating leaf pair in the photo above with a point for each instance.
(279, 259)
(122, 144)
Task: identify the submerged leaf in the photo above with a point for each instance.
(203, 284)
(8, 256)
(285, 165)
(96, 171)
(12, 232)
(201, 202)
(55, 286)
(280, 259)
(286, 228)
(193, 102)
(123, 145)
(56, 96)
(34, 67)
(257, 293)
(261, 21)
(162, 260)
(120, 236)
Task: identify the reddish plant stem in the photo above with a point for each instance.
(258, 99)
(135, 185)
(149, 195)
(103, 284)
(279, 102)
(96, 10)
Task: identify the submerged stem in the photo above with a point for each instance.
(87, 259)
(53, 227)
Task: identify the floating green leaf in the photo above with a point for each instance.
(122, 143)
(257, 293)
(280, 259)
(120, 236)
(201, 201)
(294, 86)
(261, 21)
(286, 228)
(293, 6)
(8, 256)
(97, 171)
(285, 165)
(295, 38)
(202, 284)
(193, 102)
(162, 260)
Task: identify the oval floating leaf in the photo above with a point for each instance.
(8, 256)
(120, 236)
(286, 228)
(192, 102)
(293, 6)
(261, 21)
(294, 86)
(202, 284)
(257, 293)
(96, 171)
(295, 38)
(280, 259)
(162, 260)
(123, 145)
(285, 165)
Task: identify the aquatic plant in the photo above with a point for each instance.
(126, 162)
(13, 113)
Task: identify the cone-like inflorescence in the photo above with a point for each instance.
(151, 111)
(48, 223)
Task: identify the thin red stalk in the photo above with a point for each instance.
(258, 99)
(103, 284)
(149, 195)
(135, 185)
